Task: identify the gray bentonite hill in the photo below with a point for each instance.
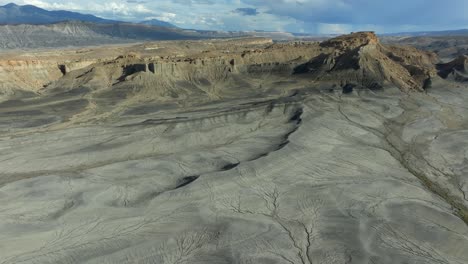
(241, 151)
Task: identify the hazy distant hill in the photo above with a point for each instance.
(159, 23)
(458, 32)
(75, 33)
(12, 14)
(33, 27)
(29, 14)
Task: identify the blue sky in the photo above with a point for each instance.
(311, 16)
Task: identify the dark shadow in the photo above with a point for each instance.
(348, 88)
(229, 166)
(186, 181)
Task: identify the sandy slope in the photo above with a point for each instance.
(255, 185)
(296, 173)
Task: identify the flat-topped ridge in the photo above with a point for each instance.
(352, 41)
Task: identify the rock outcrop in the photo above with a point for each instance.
(240, 67)
(456, 70)
(360, 59)
(31, 75)
(177, 70)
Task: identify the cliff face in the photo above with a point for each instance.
(227, 68)
(30, 75)
(361, 60)
(456, 70)
(239, 67)
(33, 75)
(351, 41)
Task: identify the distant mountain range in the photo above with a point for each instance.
(78, 33)
(159, 23)
(12, 14)
(29, 26)
(457, 32)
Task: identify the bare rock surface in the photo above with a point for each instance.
(360, 59)
(456, 70)
(232, 157)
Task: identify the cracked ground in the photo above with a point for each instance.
(317, 177)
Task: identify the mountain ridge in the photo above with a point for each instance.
(160, 23)
(454, 32)
(13, 14)
(78, 33)
(360, 59)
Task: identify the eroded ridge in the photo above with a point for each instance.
(299, 153)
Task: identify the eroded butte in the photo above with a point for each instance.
(234, 151)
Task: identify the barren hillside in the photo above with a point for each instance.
(234, 151)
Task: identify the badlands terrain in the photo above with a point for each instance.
(234, 151)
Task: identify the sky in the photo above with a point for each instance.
(300, 16)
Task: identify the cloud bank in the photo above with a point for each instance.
(314, 16)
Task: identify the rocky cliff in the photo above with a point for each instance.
(456, 70)
(32, 75)
(361, 60)
(177, 70)
(221, 152)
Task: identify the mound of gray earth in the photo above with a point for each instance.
(314, 178)
(282, 169)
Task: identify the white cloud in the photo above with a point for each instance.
(334, 28)
(51, 5)
(165, 16)
(319, 16)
